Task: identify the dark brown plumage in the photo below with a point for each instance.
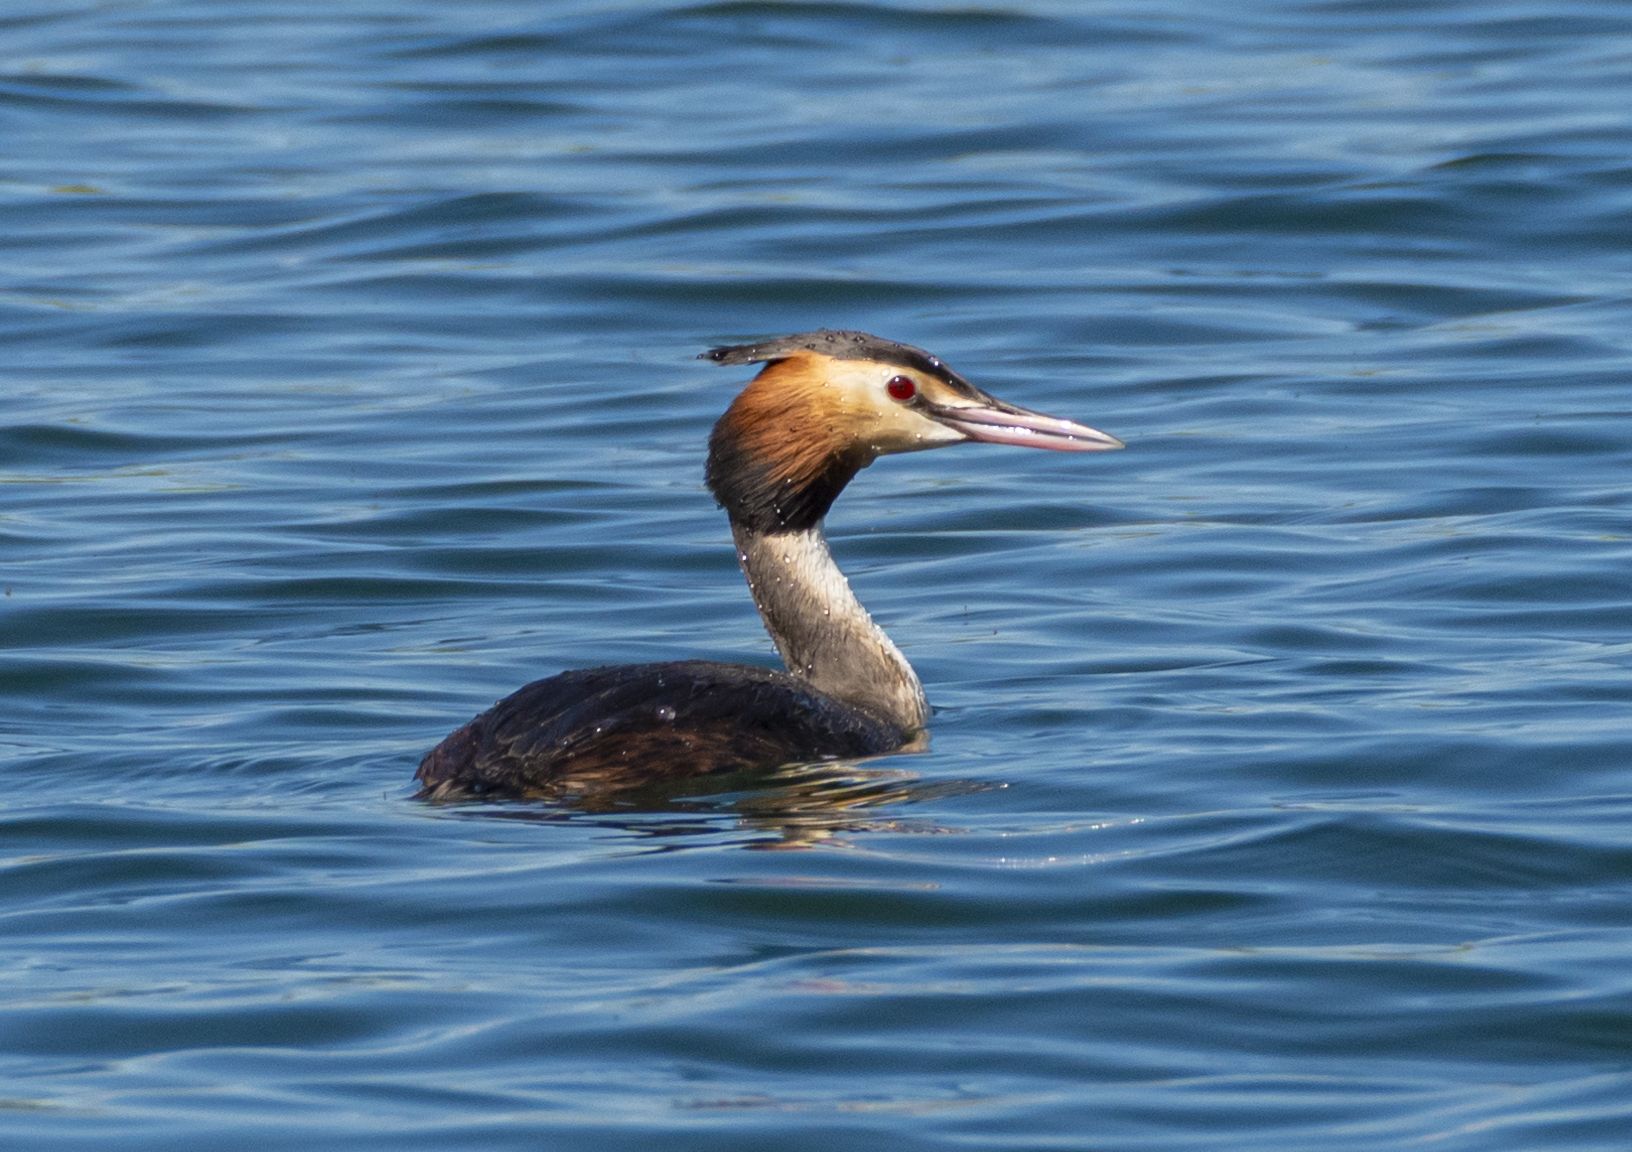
(635, 725)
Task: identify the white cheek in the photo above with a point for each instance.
(932, 434)
(904, 430)
(861, 383)
(888, 425)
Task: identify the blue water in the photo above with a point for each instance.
(1281, 787)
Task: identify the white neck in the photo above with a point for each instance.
(823, 633)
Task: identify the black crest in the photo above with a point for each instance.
(840, 345)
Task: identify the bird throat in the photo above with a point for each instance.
(824, 635)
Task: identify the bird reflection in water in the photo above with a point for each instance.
(794, 806)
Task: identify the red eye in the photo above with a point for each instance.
(901, 388)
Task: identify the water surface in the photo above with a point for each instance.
(1281, 778)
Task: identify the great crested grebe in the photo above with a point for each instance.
(826, 405)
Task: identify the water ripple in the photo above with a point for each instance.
(1279, 772)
